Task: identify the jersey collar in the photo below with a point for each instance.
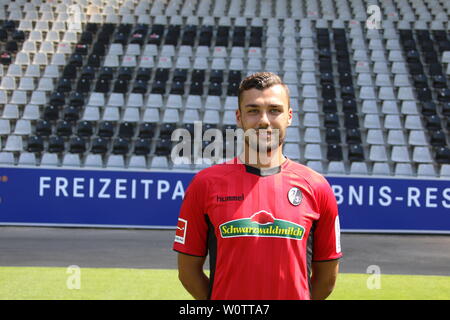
(262, 172)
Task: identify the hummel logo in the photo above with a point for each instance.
(230, 198)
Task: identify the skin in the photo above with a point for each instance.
(260, 109)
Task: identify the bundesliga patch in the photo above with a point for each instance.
(295, 196)
(262, 224)
(180, 234)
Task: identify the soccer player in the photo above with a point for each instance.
(270, 225)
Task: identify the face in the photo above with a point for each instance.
(264, 109)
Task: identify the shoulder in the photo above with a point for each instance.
(312, 177)
(217, 171)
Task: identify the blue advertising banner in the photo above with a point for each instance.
(146, 199)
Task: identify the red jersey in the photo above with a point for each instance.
(262, 228)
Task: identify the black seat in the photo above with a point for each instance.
(125, 73)
(215, 89)
(43, 128)
(442, 155)
(355, 153)
(35, 144)
(85, 129)
(142, 146)
(177, 88)
(331, 120)
(332, 136)
(353, 136)
(334, 152)
(147, 130)
(126, 130)
(77, 145)
(64, 128)
(120, 146)
(105, 129)
(351, 120)
(437, 138)
(163, 147)
(166, 130)
(159, 87)
(51, 112)
(99, 145)
(55, 144)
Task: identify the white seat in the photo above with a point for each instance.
(93, 161)
(312, 135)
(155, 101)
(7, 158)
(426, 170)
(316, 166)
(171, 116)
(311, 120)
(378, 153)
(115, 161)
(396, 137)
(131, 115)
(313, 152)
(31, 112)
(364, 79)
(135, 100)
(8, 83)
(116, 100)
(38, 98)
(91, 114)
(336, 167)
(19, 97)
(27, 159)
(445, 171)
(13, 143)
(137, 162)
(10, 111)
(292, 151)
(367, 93)
(165, 62)
(417, 138)
(422, 155)
(194, 102)
(403, 169)
(23, 128)
(389, 107)
(292, 135)
(381, 168)
(309, 91)
(5, 128)
(400, 154)
(358, 168)
(386, 93)
(375, 136)
(372, 121)
(151, 115)
(413, 122)
(111, 114)
(174, 101)
(190, 116)
(392, 121)
(401, 80)
(96, 99)
(159, 162)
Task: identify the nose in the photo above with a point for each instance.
(264, 120)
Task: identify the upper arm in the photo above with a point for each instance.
(187, 263)
(325, 270)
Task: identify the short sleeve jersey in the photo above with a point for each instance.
(261, 228)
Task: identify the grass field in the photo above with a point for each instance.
(124, 284)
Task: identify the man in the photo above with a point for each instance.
(270, 225)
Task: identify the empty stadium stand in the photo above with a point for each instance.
(104, 83)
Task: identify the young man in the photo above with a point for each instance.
(270, 225)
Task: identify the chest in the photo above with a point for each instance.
(276, 206)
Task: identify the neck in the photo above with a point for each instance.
(274, 158)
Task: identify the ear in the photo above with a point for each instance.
(290, 115)
(238, 118)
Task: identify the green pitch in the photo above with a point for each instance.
(108, 283)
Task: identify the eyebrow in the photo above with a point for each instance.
(257, 105)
